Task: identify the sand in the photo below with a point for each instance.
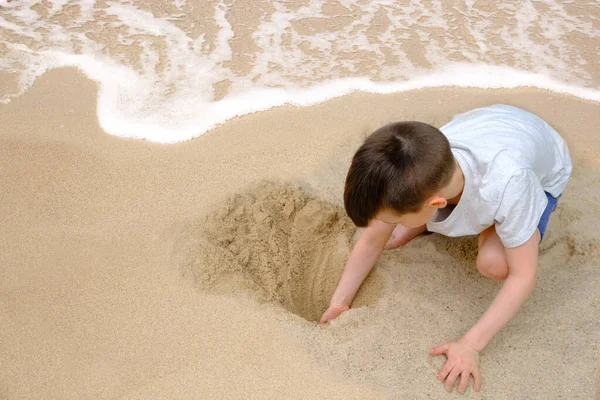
(282, 244)
(598, 380)
(137, 270)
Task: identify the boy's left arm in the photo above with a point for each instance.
(463, 355)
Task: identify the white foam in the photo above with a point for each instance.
(223, 50)
(19, 29)
(213, 114)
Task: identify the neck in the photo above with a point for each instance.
(454, 189)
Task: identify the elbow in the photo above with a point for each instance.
(530, 274)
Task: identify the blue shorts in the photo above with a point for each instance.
(552, 201)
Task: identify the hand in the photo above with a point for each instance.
(463, 360)
(333, 311)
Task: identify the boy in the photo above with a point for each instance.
(495, 171)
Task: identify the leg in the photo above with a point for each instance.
(402, 235)
(491, 259)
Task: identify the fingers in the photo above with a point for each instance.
(439, 350)
(445, 371)
(476, 380)
(452, 377)
(464, 381)
(464, 364)
(327, 315)
(332, 313)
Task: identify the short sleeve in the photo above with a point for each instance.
(521, 208)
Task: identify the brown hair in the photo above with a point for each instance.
(398, 166)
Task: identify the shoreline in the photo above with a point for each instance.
(456, 76)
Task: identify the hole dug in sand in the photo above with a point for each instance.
(289, 247)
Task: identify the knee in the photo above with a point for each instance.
(492, 266)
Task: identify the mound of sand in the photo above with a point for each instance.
(276, 239)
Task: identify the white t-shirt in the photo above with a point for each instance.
(509, 158)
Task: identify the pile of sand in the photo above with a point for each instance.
(277, 240)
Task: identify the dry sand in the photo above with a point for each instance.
(598, 379)
(122, 261)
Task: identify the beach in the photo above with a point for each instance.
(109, 288)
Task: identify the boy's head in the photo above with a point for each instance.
(396, 174)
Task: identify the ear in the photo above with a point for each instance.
(437, 202)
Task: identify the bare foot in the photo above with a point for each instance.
(402, 235)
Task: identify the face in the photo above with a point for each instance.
(412, 220)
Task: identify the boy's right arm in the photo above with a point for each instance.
(359, 264)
